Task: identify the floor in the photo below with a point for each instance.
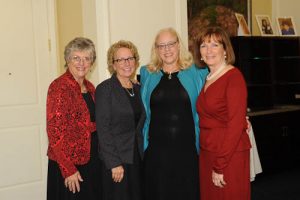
(284, 185)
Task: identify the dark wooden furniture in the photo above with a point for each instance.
(271, 67)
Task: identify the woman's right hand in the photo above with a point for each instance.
(72, 182)
(218, 179)
(117, 173)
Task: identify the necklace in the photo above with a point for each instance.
(130, 93)
(217, 72)
(170, 76)
(127, 85)
(170, 73)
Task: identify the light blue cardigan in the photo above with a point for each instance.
(192, 80)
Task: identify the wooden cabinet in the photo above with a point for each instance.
(271, 67)
(277, 135)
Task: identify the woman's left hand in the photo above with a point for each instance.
(218, 179)
(117, 173)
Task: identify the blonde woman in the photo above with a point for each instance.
(120, 117)
(170, 86)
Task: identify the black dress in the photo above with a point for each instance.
(90, 188)
(130, 188)
(171, 159)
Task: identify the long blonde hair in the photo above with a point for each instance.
(185, 58)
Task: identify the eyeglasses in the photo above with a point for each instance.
(77, 59)
(122, 61)
(168, 45)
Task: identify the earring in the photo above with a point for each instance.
(201, 58)
(225, 57)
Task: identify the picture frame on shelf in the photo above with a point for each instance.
(286, 26)
(243, 29)
(265, 25)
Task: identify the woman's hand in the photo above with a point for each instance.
(117, 173)
(218, 179)
(72, 182)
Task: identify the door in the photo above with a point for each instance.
(27, 66)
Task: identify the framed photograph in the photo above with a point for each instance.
(243, 28)
(286, 26)
(265, 25)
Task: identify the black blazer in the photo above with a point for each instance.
(116, 124)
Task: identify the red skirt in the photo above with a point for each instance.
(236, 176)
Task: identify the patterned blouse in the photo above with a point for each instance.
(69, 126)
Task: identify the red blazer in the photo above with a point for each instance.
(68, 123)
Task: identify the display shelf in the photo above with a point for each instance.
(271, 67)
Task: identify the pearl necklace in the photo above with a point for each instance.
(217, 72)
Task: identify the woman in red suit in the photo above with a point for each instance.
(221, 105)
(74, 166)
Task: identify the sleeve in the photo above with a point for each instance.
(236, 97)
(57, 127)
(108, 150)
(144, 74)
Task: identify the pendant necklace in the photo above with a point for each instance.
(217, 72)
(170, 73)
(130, 93)
(170, 76)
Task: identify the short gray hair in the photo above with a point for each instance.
(80, 44)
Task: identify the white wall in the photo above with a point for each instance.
(89, 23)
(137, 21)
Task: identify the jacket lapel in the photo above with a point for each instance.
(120, 94)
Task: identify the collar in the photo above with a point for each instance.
(74, 83)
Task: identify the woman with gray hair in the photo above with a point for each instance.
(74, 166)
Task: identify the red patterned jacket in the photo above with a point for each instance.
(68, 123)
